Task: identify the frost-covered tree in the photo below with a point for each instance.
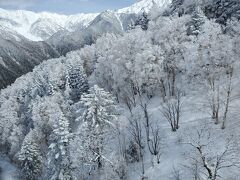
(125, 74)
(40, 115)
(30, 156)
(172, 110)
(59, 164)
(77, 82)
(215, 63)
(10, 126)
(100, 114)
(176, 8)
(197, 20)
(88, 57)
(57, 78)
(142, 21)
(222, 10)
(170, 35)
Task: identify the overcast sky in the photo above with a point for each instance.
(65, 6)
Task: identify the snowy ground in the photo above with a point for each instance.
(8, 171)
(175, 147)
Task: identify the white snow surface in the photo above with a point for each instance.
(8, 171)
(144, 6)
(174, 148)
(22, 21)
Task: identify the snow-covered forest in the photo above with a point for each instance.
(159, 102)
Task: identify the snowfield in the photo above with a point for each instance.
(8, 171)
(176, 150)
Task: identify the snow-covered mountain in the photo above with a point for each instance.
(144, 5)
(18, 55)
(106, 22)
(40, 26)
(117, 21)
(61, 34)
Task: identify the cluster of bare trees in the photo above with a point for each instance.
(220, 89)
(136, 131)
(145, 132)
(171, 111)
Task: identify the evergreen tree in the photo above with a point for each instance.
(142, 21)
(197, 20)
(59, 163)
(30, 156)
(176, 8)
(222, 10)
(77, 81)
(10, 119)
(100, 113)
(131, 25)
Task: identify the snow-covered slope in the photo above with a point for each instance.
(40, 26)
(7, 170)
(106, 22)
(144, 5)
(18, 55)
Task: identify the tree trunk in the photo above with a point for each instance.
(163, 90)
(147, 121)
(227, 102)
(173, 82)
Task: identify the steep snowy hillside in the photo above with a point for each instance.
(40, 26)
(109, 21)
(106, 22)
(144, 5)
(18, 55)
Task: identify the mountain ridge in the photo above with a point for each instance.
(22, 21)
(41, 26)
(22, 33)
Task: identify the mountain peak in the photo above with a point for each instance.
(144, 6)
(26, 22)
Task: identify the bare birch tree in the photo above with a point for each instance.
(154, 143)
(229, 90)
(211, 159)
(171, 110)
(136, 131)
